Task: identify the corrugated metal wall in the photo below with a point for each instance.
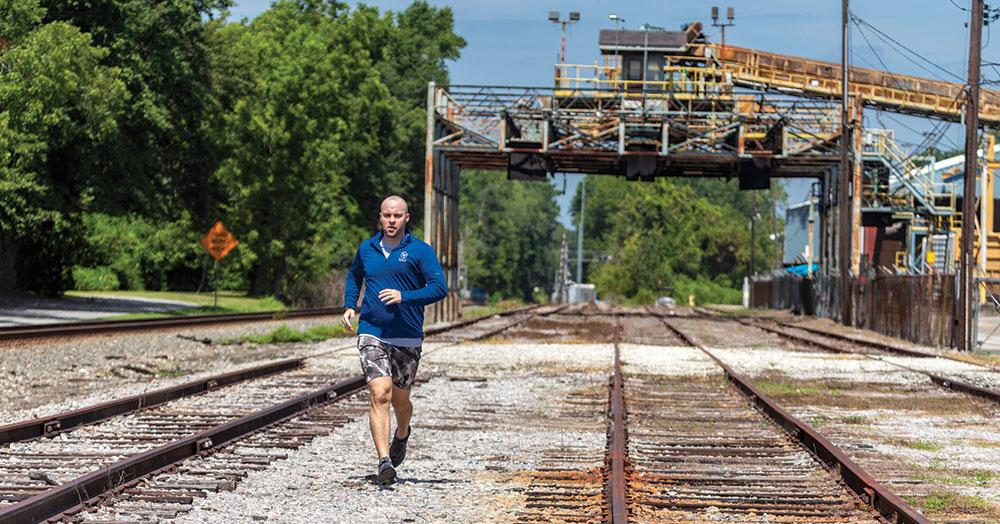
(918, 308)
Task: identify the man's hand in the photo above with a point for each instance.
(390, 296)
(347, 318)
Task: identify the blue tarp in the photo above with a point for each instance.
(802, 269)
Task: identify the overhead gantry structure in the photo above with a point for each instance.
(667, 103)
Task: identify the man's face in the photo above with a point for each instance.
(393, 218)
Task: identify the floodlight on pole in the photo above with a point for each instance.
(574, 17)
(724, 25)
(617, 19)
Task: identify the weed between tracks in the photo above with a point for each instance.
(940, 500)
(285, 334)
(976, 477)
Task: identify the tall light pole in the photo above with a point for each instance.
(715, 23)
(617, 19)
(574, 17)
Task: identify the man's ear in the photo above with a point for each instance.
(407, 218)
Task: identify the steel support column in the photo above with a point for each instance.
(441, 214)
(856, 166)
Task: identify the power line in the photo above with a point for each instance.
(888, 38)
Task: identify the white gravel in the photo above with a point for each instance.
(474, 444)
(666, 361)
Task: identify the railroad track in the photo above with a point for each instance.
(719, 457)
(683, 449)
(843, 344)
(922, 438)
(206, 434)
(677, 448)
(10, 334)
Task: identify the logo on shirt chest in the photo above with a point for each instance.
(403, 256)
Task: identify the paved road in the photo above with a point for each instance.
(22, 311)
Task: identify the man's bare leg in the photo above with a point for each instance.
(404, 410)
(381, 390)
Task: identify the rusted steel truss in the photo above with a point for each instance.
(480, 127)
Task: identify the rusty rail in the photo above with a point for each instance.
(870, 343)
(891, 507)
(55, 424)
(945, 382)
(617, 509)
(100, 327)
(75, 494)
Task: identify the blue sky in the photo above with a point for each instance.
(513, 43)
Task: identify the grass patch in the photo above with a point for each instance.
(941, 499)
(229, 302)
(976, 477)
(173, 371)
(780, 388)
(489, 309)
(285, 334)
(859, 420)
(914, 444)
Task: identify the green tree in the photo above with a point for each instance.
(511, 234)
(57, 101)
(691, 234)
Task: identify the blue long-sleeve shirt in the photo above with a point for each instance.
(412, 268)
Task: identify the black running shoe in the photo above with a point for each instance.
(397, 450)
(386, 473)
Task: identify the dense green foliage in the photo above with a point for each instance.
(510, 234)
(128, 128)
(690, 234)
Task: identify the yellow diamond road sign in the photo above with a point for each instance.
(219, 241)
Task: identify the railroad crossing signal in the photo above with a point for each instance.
(219, 241)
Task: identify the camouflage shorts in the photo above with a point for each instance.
(379, 359)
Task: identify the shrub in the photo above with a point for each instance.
(101, 278)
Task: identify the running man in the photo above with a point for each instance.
(401, 275)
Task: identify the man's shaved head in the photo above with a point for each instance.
(393, 201)
(393, 216)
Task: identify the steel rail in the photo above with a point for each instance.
(870, 343)
(73, 495)
(54, 424)
(890, 506)
(945, 382)
(617, 437)
(97, 327)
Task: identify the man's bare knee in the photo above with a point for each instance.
(381, 391)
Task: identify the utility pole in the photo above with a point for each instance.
(579, 232)
(753, 242)
(967, 287)
(844, 180)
